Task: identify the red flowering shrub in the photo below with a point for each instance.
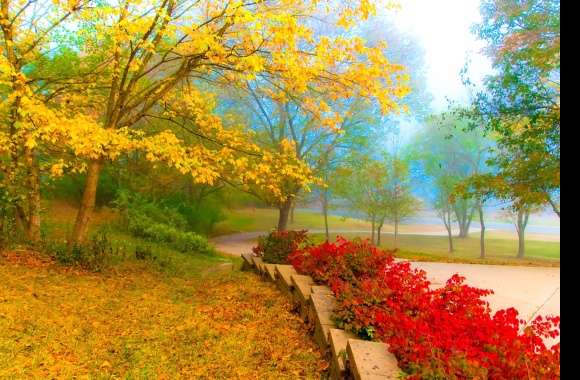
(446, 333)
(275, 247)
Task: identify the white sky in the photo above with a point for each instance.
(443, 27)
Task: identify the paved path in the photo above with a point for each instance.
(531, 290)
(236, 244)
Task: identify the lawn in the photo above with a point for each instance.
(501, 247)
(134, 322)
(499, 251)
(249, 220)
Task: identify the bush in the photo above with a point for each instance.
(278, 245)
(144, 253)
(447, 333)
(161, 225)
(201, 214)
(192, 242)
(176, 211)
(94, 255)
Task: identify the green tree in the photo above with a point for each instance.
(361, 184)
(448, 154)
(378, 188)
(520, 102)
(400, 202)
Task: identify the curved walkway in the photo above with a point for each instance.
(531, 290)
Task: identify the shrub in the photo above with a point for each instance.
(201, 217)
(177, 211)
(144, 253)
(278, 245)
(94, 255)
(192, 242)
(149, 221)
(186, 242)
(446, 333)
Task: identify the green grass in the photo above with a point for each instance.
(501, 246)
(499, 251)
(249, 220)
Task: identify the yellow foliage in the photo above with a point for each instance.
(144, 57)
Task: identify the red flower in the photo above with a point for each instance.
(443, 333)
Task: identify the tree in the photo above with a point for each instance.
(377, 188)
(276, 122)
(477, 187)
(406, 49)
(519, 214)
(448, 154)
(520, 102)
(401, 204)
(360, 183)
(136, 63)
(229, 43)
(443, 205)
(20, 50)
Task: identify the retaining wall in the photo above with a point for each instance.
(349, 357)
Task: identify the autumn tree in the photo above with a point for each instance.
(138, 61)
(319, 120)
(31, 56)
(520, 102)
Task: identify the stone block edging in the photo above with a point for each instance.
(350, 357)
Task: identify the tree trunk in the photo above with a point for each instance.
(379, 232)
(373, 223)
(521, 245)
(284, 214)
(292, 213)
(87, 205)
(33, 223)
(325, 211)
(20, 220)
(450, 237)
(554, 205)
(396, 233)
(482, 235)
(464, 218)
(522, 223)
(447, 222)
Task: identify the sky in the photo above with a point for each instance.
(443, 27)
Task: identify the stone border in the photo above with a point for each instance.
(350, 357)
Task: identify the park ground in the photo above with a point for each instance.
(179, 315)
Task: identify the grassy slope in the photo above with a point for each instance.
(167, 318)
(137, 323)
(501, 249)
